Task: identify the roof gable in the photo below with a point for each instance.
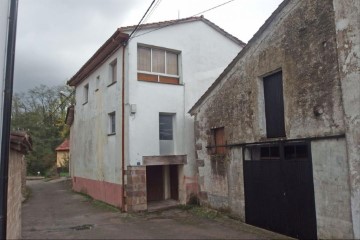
(120, 38)
(163, 24)
(239, 56)
(64, 146)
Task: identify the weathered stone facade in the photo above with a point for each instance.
(305, 40)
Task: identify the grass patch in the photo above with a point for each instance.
(97, 203)
(105, 206)
(205, 212)
(200, 211)
(64, 174)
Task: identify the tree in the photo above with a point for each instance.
(41, 112)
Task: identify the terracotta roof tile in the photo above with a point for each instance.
(64, 146)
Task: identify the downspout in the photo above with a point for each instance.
(8, 90)
(123, 128)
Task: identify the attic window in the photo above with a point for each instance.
(158, 65)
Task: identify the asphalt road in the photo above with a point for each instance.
(55, 212)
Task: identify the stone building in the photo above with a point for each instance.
(278, 133)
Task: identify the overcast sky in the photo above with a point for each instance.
(56, 37)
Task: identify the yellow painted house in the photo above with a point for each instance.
(62, 154)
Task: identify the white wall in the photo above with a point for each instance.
(4, 14)
(204, 55)
(95, 154)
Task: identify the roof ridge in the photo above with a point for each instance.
(193, 18)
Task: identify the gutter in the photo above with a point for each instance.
(123, 128)
(5, 138)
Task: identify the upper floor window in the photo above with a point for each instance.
(86, 93)
(158, 65)
(218, 140)
(274, 105)
(113, 72)
(112, 123)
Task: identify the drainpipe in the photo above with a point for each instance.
(123, 128)
(8, 90)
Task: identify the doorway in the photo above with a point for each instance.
(279, 189)
(162, 183)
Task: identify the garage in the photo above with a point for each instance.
(279, 188)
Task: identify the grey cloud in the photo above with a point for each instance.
(56, 37)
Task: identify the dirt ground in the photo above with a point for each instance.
(53, 211)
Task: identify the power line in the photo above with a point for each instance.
(141, 19)
(171, 23)
(213, 7)
(150, 13)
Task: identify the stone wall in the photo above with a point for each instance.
(13, 230)
(136, 189)
(300, 39)
(347, 19)
(20, 144)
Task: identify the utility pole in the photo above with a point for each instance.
(8, 20)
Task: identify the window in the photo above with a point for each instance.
(274, 105)
(218, 135)
(112, 123)
(113, 72)
(86, 93)
(165, 127)
(166, 133)
(157, 65)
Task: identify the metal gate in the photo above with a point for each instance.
(279, 189)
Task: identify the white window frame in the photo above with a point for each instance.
(151, 62)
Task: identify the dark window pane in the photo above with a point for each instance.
(274, 105)
(274, 152)
(264, 152)
(289, 152)
(166, 127)
(301, 151)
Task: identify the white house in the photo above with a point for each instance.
(132, 141)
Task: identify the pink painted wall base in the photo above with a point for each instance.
(110, 193)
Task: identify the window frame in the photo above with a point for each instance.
(218, 149)
(152, 76)
(113, 72)
(112, 123)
